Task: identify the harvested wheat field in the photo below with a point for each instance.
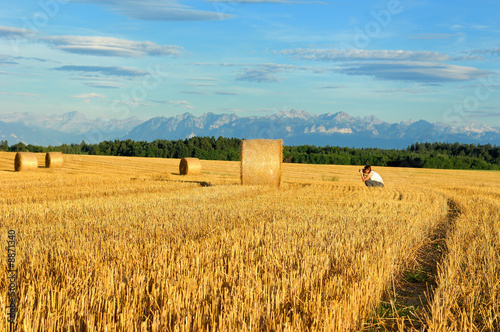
(128, 244)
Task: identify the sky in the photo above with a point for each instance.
(397, 59)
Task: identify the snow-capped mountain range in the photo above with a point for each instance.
(294, 127)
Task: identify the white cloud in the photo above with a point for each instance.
(332, 87)
(483, 114)
(104, 85)
(106, 70)
(359, 54)
(403, 90)
(264, 73)
(94, 45)
(431, 35)
(159, 10)
(88, 97)
(200, 84)
(184, 103)
(15, 33)
(109, 46)
(194, 92)
(494, 51)
(415, 71)
(130, 103)
(21, 94)
(17, 74)
(227, 93)
(259, 75)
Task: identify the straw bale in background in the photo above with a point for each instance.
(190, 166)
(54, 160)
(25, 161)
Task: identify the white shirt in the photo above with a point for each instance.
(376, 177)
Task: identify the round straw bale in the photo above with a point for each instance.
(261, 162)
(25, 161)
(190, 166)
(54, 160)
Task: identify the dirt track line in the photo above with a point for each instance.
(415, 291)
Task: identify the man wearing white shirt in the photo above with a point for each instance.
(371, 178)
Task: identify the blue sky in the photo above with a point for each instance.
(395, 59)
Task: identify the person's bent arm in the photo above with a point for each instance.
(366, 177)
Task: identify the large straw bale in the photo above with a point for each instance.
(25, 161)
(190, 166)
(261, 162)
(54, 160)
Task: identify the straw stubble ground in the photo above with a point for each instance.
(129, 244)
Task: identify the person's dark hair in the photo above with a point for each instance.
(369, 168)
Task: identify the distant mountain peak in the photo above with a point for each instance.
(294, 114)
(341, 114)
(372, 119)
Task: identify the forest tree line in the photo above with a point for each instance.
(425, 155)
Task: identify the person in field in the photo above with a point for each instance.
(371, 178)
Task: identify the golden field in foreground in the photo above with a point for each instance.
(127, 244)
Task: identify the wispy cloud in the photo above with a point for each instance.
(412, 71)
(15, 33)
(7, 61)
(105, 70)
(13, 60)
(227, 93)
(201, 84)
(194, 92)
(206, 79)
(98, 82)
(183, 103)
(20, 94)
(104, 85)
(331, 87)
(159, 10)
(131, 103)
(494, 51)
(431, 35)
(17, 74)
(109, 46)
(259, 75)
(471, 86)
(4, 56)
(264, 73)
(358, 54)
(88, 97)
(94, 45)
(484, 114)
(402, 91)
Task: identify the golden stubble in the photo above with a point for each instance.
(129, 244)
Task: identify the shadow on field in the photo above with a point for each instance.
(201, 183)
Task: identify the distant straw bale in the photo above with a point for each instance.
(190, 166)
(261, 162)
(25, 161)
(54, 160)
